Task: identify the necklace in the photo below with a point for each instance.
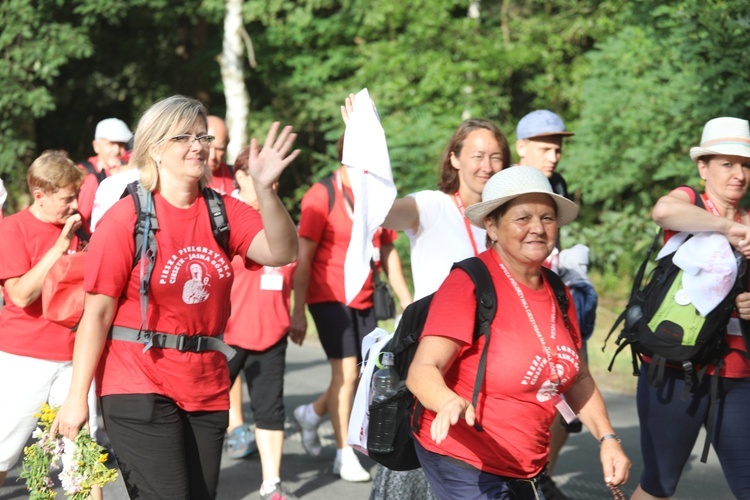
(462, 209)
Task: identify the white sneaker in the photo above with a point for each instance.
(349, 468)
(308, 431)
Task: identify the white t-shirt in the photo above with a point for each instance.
(440, 240)
(109, 191)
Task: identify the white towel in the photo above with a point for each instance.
(710, 269)
(369, 169)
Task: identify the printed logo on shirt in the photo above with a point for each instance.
(568, 365)
(197, 266)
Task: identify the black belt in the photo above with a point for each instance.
(181, 342)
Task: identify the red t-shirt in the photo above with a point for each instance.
(513, 409)
(24, 240)
(735, 363)
(223, 180)
(332, 232)
(260, 306)
(188, 293)
(88, 191)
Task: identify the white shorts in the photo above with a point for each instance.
(25, 384)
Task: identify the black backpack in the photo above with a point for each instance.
(89, 168)
(393, 421)
(656, 326)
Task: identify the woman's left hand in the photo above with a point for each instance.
(615, 464)
(743, 305)
(265, 165)
(449, 413)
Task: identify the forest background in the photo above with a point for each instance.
(635, 80)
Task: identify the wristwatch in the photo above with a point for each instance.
(610, 436)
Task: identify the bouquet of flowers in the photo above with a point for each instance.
(83, 462)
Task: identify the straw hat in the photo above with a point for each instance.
(513, 182)
(724, 136)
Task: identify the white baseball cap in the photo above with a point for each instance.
(113, 129)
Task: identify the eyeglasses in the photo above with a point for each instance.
(188, 140)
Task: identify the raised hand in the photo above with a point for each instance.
(347, 109)
(266, 164)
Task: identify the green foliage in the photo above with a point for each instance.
(635, 80)
(650, 88)
(33, 47)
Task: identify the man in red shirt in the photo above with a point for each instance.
(222, 176)
(110, 144)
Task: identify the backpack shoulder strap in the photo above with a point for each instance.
(485, 293)
(486, 298)
(558, 287)
(145, 241)
(218, 213)
(698, 198)
(328, 184)
(89, 167)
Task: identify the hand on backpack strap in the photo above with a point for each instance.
(450, 411)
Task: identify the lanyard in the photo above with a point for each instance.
(551, 357)
(461, 209)
(714, 210)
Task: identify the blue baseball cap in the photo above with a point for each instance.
(541, 123)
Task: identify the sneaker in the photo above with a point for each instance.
(309, 432)
(240, 442)
(349, 468)
(277, 494)
(550, 489)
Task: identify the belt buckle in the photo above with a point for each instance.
(183, 343)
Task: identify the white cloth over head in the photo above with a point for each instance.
(369, 168)
(709, 267)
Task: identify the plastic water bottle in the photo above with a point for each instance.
(383, 413)
(384, 381)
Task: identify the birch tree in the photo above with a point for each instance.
(233, 77)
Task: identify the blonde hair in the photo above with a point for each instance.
(53, 171)
(164, 119)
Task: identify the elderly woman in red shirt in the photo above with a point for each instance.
(532, 360)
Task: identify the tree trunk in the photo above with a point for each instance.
(474, 13)
(233, 77)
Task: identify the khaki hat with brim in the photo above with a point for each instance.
(724, 136)
(512, 183)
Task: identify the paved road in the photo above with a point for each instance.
(579, 474)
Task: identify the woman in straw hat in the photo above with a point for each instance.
(533, 357)
(670, 426)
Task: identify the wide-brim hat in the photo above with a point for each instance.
(724, 136)
(513, 182)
